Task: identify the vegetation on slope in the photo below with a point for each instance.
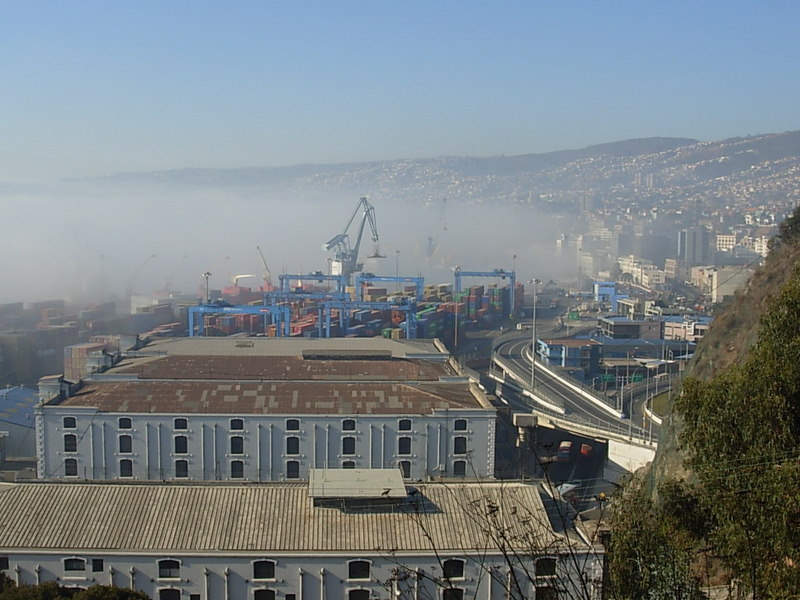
(728, 484)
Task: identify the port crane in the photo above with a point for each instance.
(498, 273)
(318, 276)
(266, 274)
(345, 260)
(363, 278)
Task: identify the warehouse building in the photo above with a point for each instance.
(267, 409)
(367, 537)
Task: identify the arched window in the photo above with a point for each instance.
(545, 567)
(292, 445)
(181, 469)
(70, 423)
(348, 464)
(358, 595)
(264, 595)
(460, 425)
(358, 569)
(169, 569)
(404, 425)
(348, 445)
(349, 425)
(404, 445)
(125, 444)
(237, 424)
(125, 423)
(74, 564)
(70, 467)
(181, 423)
(454, 569)
(237, 444)
(459, 445)
(452, 594)
(169, 594)
(292, 469)
(70, 442)
(181, 444)
(237, 469)
(292, 425)
(264, 569)
(545, 592)
(126, 467)
(405, 468)
(460, 468)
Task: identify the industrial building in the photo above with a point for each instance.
(268, 409)
(369, 537)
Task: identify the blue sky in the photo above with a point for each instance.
(98, 87)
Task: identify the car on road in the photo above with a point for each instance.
(564, 451)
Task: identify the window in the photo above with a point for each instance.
(97, 565)
(460, 468)
(293, 445)
(349, 425)
(545, 592)
(194, 596)
(70, 423)
(70, 442)
(169, 569)
(404, 445)
(349, 445)
(545, 567)
(181, 423)
(358, 595)
(264, 595)
(125, 444)
(404, 425)
(460, 445)
(181, 469)
(264, 569)
(292, 425)
(349, 464)
(181, 444)
(70, 467)
(125, 423)
(126, 467)
(460, 425)
(3, 563)
(453, 594)
(237, 469)
(74, 564)
(454, 569)
(292, 469)
(358, 569)
(237, 424)
(237, 445)
(405, 468)
(169, 594)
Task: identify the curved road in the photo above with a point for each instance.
(516, 350)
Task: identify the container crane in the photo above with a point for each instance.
(346, 256)
(266, 275)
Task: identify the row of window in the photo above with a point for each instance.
(181, 444)
(181, 423)
(237, 468)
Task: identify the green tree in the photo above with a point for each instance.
(107, 592)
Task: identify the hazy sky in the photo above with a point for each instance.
(97, 87)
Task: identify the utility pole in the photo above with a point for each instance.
(535, 282)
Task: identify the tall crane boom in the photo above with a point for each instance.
(345, 260)
(267, 276)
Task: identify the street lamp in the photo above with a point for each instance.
(397, 269)
(535, 282)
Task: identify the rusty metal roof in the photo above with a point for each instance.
(279, 518)
(276, 397)
(260, 368)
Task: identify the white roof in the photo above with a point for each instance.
(356, 483)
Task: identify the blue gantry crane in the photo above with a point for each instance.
(318, 276)
(281, 315)
(345, 307)
(497, 273)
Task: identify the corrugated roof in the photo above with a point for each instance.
(277, 397)
(171, 519)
